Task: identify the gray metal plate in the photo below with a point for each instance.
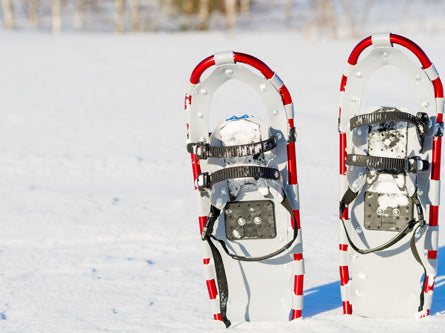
(390, 218)
(250, 220)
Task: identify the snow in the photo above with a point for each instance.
(99, 229)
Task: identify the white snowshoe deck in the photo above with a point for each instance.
(390, 169)
(243, 189)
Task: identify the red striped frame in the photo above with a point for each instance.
(291, 155)
(437, 140)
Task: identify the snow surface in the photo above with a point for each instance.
(99, 229)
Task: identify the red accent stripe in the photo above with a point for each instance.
(298, 256)
(428, 288)
(285, 95)
(343, 247)
(432, 254)
(217, 316)
(187, 101)
(252, 61)
(346, 214)
(427, 312)
(438, 88)
(206, 261)
(202, 223)
(413, 47)
(344, 80)
(211, 286)
(344, 275)
(291, 123)
(202, 66)
(196, 167)
(343, 154)
(292, 164)
(297, 217)
(434, 216)
(359, 49)
(435, 168)
(439, 118)
(347, 308)
(298, 285)
(295, 314)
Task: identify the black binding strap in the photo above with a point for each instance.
(350, 196)
(420, 120)
(213, 216)
(206, 180)
(204, 150)
(416, 255)
(219, 264)
(386, 114)
(399, 165)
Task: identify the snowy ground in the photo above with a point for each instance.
(98, 222)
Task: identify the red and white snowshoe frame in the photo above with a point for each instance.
(280, 110)
(430, 99)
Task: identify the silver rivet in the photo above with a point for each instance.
(283, 299)
(359, 230)
(385, 54)
(229, 71)
(418, 233)
(200, 115)
(275, 112)
(379, 211)
(241, 221)
(395, 212)
(359, 131)
(354, 99)
(285, 266)
(203, 91)
(276, 174)
(359, 74)
(257, 220)
(281, 239)
(278, 136)
(420, 192)
(223, 190)
(263, 87)
(202, 139)
(418, 77)
(362, 276)
(425, 104)
(358, 292)
(355, 256)
(360, 174)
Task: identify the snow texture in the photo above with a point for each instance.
(98, 227)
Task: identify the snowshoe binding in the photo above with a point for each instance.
(246, 187)
(389, 185)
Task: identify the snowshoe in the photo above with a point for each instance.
(389, 180)
(246, 186)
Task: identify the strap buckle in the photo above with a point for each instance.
(423, 119)
(203, 181)
(438, 129)
(200, 149)
(414, 164)
(292, 134)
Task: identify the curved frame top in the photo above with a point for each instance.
(235, 57)
(402, 41)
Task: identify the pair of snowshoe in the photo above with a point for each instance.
(245, 177)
